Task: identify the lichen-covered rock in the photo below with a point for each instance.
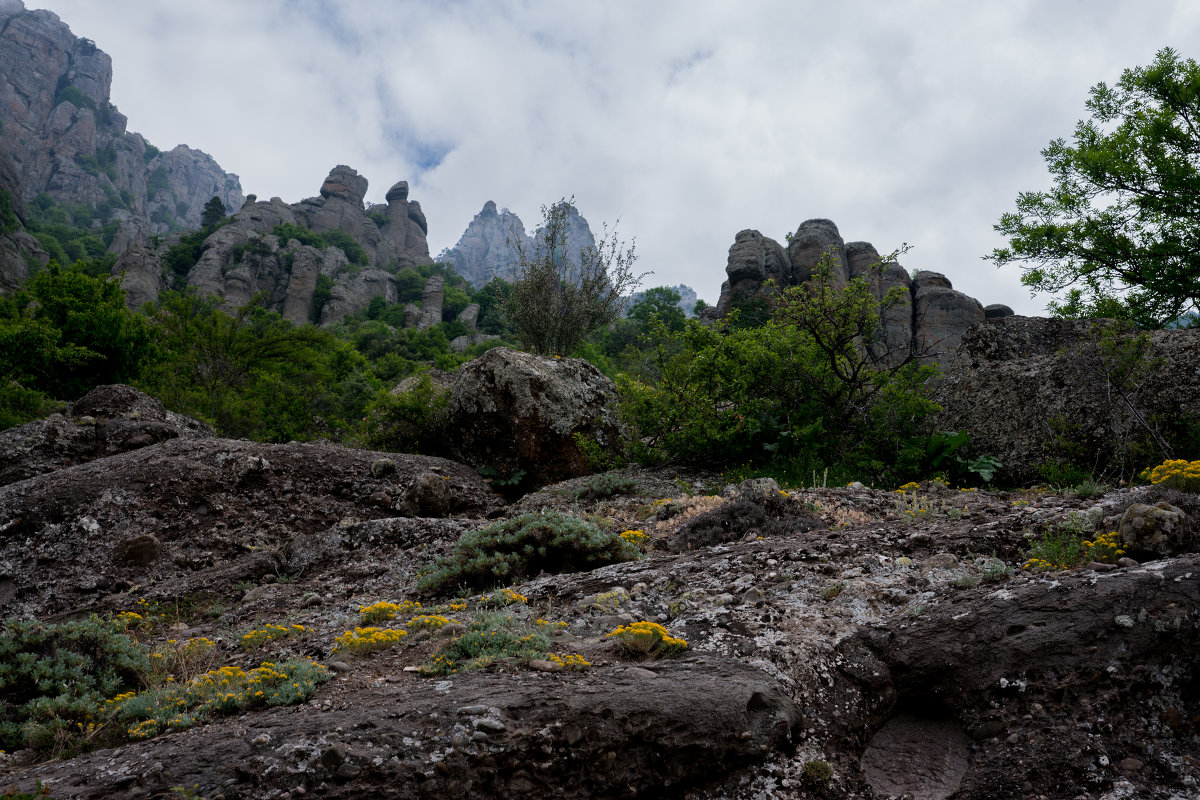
(514, 411)
(1022, 386)
(107, 420)
(1158, 530)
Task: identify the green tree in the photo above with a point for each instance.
(1119, 231)
(554, 305)
(662, 303)
(72, 334)
(214, 211)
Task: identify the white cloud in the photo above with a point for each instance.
(915, 121)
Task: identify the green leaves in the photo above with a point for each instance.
(1119, 227)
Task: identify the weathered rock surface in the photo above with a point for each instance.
(488, 247)
(67, 139)
(17, 247)
(206, 501)
(884, 646)
(929, 317)
(616, 731)
(1156, 531)
(1026, 387)
(515, 411)
(432, 299)
(106, 421)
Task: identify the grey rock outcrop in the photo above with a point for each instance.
(67, 139)
(245, 256)
(432, 299)
(18, 248)
(1027, 387)
(925, 313)
(513, 411)
(105, 421)
(941, 315)
(487, 249)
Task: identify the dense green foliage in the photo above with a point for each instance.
(521, 547)
(554, 305)
(63, 333)
(797, 390)
(214, 211)
(55, 677)
(1119, 229)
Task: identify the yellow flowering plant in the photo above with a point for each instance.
(1176, 473)
(648, 638)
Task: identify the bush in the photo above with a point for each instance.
(524, 546)
(54, 677)
(764, 514)
(648, 638)
(1175, 474)
(608, 484)
(489, 637)
(411, 421)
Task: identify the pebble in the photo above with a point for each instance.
(540, 665)
(1126, 561)
(473, 710)
(1131, 765)
(488, 724)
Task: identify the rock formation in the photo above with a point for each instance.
(245, 257)
(105, 421)
(18, 248)
(1031, 389)
(931, 317)
(67, 139)
(486, 249)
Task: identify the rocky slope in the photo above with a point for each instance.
(66, 139)
(930, 321)
(892, 639)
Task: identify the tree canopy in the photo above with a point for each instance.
(1120, 230)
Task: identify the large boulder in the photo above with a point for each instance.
(106, 421)
(1034, 392)
(514, 411)
(753, 259)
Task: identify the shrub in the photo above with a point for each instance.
(55, 676)
(1176, 474)
(368, 640)
(816, 774)
(384, 611)
(410, 421)
(523, 546)
(648, 638)
(489, 638)
(227, 690)
(763, 514)
(269, 633)
(607, 485)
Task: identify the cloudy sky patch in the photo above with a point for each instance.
(912, 121)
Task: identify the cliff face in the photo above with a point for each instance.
(487, 247)
(65, 138)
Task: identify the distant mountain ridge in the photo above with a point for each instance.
(66, 139)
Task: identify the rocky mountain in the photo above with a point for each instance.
(930, 320)
(838, 645)
(65, 137)
(350, 251)
(487, 247)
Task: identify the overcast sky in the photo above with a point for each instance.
(900, 120)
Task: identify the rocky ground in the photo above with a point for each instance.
(893, 637)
